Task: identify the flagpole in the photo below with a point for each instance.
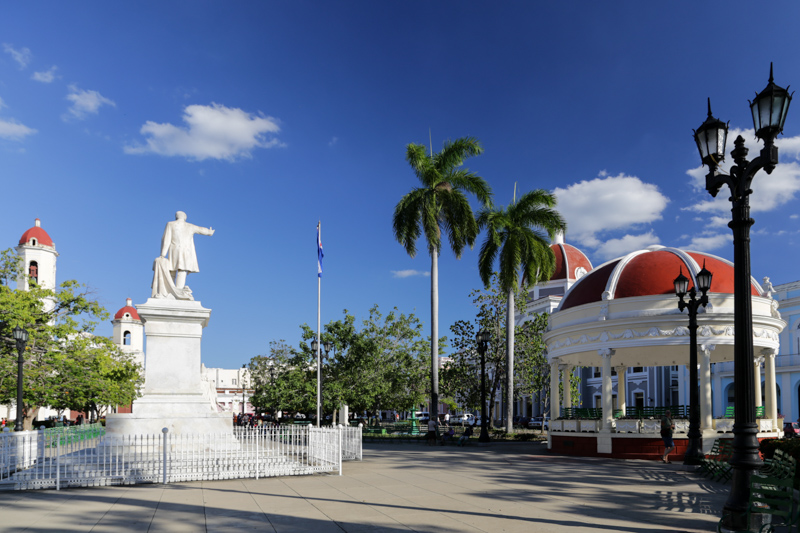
(319, 299)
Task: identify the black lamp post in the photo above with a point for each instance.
(483, 337)
(21, 336)
(243, 401)
(272, 386)
(694, 453)
(327, 346)
(769, 114)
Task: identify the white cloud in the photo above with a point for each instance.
(629, 243)
(770, 191)
(609, 203)
(707, 243)
(14, 131)
(22, 56)
(85, 102)
(409, 273)
(794, 216)
(333, 141)
(46, 76)
(214, 131)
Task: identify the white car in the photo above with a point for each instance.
(462, 420)
(538, 422)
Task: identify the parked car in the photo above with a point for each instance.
(791, 430)
(462, 420)
(521, 421)
(539, 422)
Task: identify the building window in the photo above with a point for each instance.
(596, 371)
(126, 338)
(638, 399)
(637, 369)
(33, 271)
(233, 381)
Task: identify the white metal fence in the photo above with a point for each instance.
(85, 456)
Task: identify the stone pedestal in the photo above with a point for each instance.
(174, 396)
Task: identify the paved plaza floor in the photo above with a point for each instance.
(502, 487)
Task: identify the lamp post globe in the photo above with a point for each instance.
(769, 110)
(21, 337)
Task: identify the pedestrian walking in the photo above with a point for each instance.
(667, 427)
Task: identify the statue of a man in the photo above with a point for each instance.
(178, 240)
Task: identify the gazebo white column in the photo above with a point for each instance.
(555, 401)
(757, 376)
(567, 380)
(607, 392)
(706, 413)
(622, 385)
(771, 409)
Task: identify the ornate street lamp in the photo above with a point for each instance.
(483, 337)
(21, 336)
(769, 114)
(694, 453)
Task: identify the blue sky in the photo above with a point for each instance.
(261, 118)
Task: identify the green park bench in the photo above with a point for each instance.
(773, 500)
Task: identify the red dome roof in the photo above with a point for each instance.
(568, 262)
(36, 232)
(651, 272)
(127, 309)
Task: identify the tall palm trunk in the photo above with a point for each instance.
(434, 409)
(510, 363)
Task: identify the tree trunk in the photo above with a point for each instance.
(30, 416)
(434, 409)
(509, 415)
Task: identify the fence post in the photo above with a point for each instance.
(58, 465)
(164, 462)
(257, 436)
(339, 433)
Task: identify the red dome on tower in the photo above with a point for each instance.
(571, 263)
(129, 309)
(651, 272)
(36, 236)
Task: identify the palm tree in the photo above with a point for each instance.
(438, 206)
(515, 234)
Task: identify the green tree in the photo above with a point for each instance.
(379, 366)
(65, 364)
(440, 205)
(531, 364)
(462, 376)
(290, 387)
(515, 235)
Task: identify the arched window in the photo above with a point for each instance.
(33, 271)
(126, 338)
(729, 395)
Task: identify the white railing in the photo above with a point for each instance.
(351, 443)
(41, 459)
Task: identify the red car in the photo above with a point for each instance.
(791, 430)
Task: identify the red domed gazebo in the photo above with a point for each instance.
(624, 313)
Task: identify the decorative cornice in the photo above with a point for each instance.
(680, 331)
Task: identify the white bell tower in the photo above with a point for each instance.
(128, 332)
(38, 254)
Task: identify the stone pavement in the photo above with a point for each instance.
(501, 487)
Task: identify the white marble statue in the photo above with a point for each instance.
(169, 273)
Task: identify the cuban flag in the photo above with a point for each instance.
(320, 255)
